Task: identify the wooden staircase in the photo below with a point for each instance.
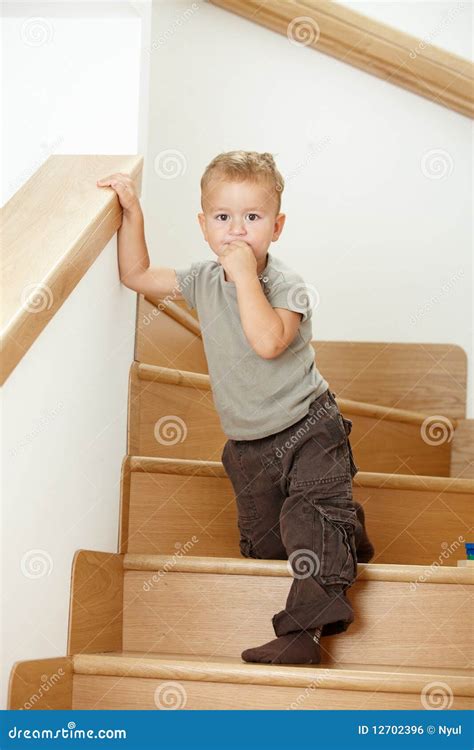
(161, 623)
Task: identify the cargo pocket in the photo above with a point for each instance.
(338, 557)
(323, 459)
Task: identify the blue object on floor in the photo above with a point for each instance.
(469, 550)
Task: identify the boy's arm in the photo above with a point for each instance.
(268, 330)
(134, 263)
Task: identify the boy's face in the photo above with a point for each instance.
(243, 211)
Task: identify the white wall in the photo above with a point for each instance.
(378, 179)
(80, 87)
(64, 424)
(447, 25)
(78, 83)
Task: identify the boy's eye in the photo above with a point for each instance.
(252, 220)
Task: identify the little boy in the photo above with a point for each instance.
(288, 453)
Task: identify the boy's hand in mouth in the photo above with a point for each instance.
(238, 260)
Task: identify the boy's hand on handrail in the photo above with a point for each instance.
(124, 186)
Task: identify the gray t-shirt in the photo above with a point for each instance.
(254, 397)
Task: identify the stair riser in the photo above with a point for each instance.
(395, 519)
(405, 376)
(220, 615)
(378, 445)
(133, 693)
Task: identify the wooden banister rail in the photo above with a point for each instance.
(377, 48)
(54, 228)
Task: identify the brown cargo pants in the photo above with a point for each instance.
(293, 491)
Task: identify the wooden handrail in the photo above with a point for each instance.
(377, 48)
(54, 228)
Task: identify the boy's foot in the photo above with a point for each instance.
(299, 647)
(364, 547)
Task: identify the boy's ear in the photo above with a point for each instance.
(279, 224)
(202, 222)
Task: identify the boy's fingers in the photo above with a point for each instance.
(117, 179)
(109, 177)
(113, 183)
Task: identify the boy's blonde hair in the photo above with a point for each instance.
(244, 165)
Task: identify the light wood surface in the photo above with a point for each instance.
(375, 47)
(462, 454)
(232, 566)
(194, 612)
(360, 677)
(135, 693)
(41, 684)
(169, 336)
(54, 228)
(409, 519)
(426, 378)
(96, 603)
(172, 414)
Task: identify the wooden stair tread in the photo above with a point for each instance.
(201, 467)
(253, 567)
(202, 667)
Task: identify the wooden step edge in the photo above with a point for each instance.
(362, 408)
(417, 574)
(176, 312)
(172, 376)
(400, 680)
(413, 482)
(188, 467)
(391, 413)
